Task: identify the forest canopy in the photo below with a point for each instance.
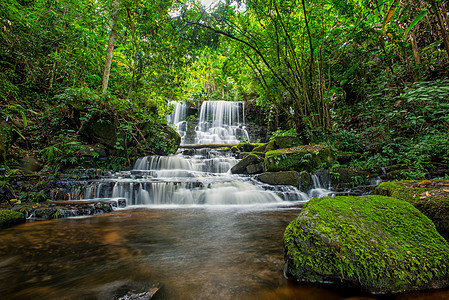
(369, 76)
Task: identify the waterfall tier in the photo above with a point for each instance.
(218, 122)
(221, 122)
(198, 177)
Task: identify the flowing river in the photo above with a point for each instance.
(224, 252)
(190, 225)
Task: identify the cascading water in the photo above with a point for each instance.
(199, 177)
(179, 119)
(221, 122)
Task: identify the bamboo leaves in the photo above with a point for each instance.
(416, 21)
(388, 16)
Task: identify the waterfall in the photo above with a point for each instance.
(179, 119)
(193, 177)
(221, 122)
(199, 176)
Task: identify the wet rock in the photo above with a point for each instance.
(302, 158)
(305, 181)
(9, 218)
(282, 178)
(30, 165)
(241, 166)
(345, 178)
(129, 290)
(69, 208)
(375, 243)
(431, 197)
(255, 168)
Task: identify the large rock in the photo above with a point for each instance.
(160, 138)
(243, 165)
(379, 244)
(149, 137)
(302, 158)
(429, 197)
(282, 178)
(9, 218)
(282, 142)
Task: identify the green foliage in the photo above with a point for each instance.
(64, 153)
(290, 132)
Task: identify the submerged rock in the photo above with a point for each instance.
(431, 197)
(129, 290)
(378, 244)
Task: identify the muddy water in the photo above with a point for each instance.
(198, 253)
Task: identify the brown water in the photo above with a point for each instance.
(197, 253)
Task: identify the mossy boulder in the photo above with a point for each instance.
(159, 138)
(242, 166)
(282, 178)
(344, 178)
(375, 243)
(245, 147)
(9, 218)
(149, 137)
(282, 142)
(431, 197)
(302, 158)
(262, 148)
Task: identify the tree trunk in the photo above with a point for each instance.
(444, 34)
(110, 51)
(415, 48)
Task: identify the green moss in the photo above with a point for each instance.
(302, 158)
(9, 218)
(380, 244)
(260, 148)
(431, 199)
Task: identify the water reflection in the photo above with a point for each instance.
(198, 253)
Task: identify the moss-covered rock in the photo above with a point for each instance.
(159, 138)
(282, 142)
(262, 148)
(283, 178)
(242, 166)
(344, 178)
(429, 197)
(379, 244)
(302, 158)
(305, 181)
(9, 218)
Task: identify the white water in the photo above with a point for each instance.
(179, 119)
(200, 178)
(221, 122)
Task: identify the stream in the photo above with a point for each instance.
(189, 224)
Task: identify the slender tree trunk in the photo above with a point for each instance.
(444, 34)
(415, 48)
(310, 37)
(110, 51)
(135, 51)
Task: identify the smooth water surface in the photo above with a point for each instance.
(196, 252)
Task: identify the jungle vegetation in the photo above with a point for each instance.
(368, 76)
